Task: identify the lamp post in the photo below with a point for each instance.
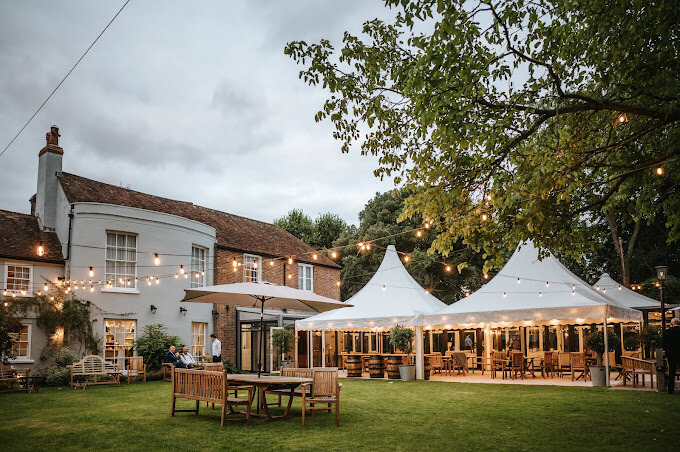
(661, 273)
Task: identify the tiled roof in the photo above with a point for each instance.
(233, 232)
(20, 236)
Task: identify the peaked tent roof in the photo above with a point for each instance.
(529, 290)
(625, 296)
(391, 297)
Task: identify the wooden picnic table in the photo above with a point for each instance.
(266, 383)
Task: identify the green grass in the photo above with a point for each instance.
(375, 415)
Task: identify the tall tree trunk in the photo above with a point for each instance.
(624, 259)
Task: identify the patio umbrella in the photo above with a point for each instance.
(252, 293)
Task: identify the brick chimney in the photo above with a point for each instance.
(49, 164)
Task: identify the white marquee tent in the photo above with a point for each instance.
(629, 298)
(391, 297)
(532, 291)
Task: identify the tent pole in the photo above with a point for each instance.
(606, 354)
(420, 358)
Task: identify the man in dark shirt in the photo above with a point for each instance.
(671, 345)
(173, 358)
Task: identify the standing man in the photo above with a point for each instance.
(671, 345)
(216, 349)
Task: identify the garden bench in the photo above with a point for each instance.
(93, 366)
(11, 377)
(634, 366)
(210, 387)
(293, 372)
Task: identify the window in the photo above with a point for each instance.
(121, 259)
(197, 266)
(198, 339)
(251, 268)
(120, 336)
(19, 279)
(305, 277)
(20, 347)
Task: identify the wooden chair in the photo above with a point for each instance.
(499, 361)
(213, 367)
(563, 364)
(325, 390)
(548, 366)
(578, 364)
(436, 362)
(632, 367)
(136, 367)
(300, 372)
(516, 365)
(167, 371)
(10, 376)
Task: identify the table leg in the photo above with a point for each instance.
(263, 402)
(290, 401)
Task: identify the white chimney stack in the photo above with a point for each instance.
(49, 164)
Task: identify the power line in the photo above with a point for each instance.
(63, 79)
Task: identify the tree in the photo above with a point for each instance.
(513, 120)
(298, 224)
(154, 343)
(448, 282)
(9, 327)
(327, 229)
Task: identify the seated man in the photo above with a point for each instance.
(187, 359)
(173, 358)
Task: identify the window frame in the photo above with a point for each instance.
(201, 281)
(195, 335)
(301, 276)
(115, 284)
(257, 259)
(27, 357)
(17, 292)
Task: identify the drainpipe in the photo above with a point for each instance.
(68, 245)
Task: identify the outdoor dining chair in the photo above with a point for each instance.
(578, 364)
(516, 365)
(499, 362)
(548, 365)
(325, 391)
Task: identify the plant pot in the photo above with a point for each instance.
(407, 372)
(598, 375)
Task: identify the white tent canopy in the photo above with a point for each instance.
(391, 297)
(625, 296)
(528, 291)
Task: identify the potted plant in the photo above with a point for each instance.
(651, 338)
(401, 338)
(283, 341)
(595, 342)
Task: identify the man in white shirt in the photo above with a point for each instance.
(216, 349)
(187, 359)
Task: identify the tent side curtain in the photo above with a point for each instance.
(559, 315)
(353, 324)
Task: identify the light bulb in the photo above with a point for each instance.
(485, 217)
(290, 260)
(419, 234)
(334, 254)
(91, 288)
(158, 281)
(39, 293)
(488, 197)
(203, 272)
(315, 256)
(573, 292)
(51, 298)
(156, 259)
(540, 294)
(4, 293)
(368, 247)
(384, 287)
(505, 294)
(181, 269)
(45, 287)
(622, 118)
(619, 286)
(91, 272)
(234, 263)
(467, 294)
(486, 276)
(271, 263)
(547, 284)
(597, 287)
(41, 249)
(427, 225)
(338, 283)
(659, 171)
(176, 275)
(518, 281)
(406, 258)
(448, 268)
(148, 282)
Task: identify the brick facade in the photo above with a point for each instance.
(325, 284)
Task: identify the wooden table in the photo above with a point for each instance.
(268, 383)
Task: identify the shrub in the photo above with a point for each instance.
(632, 342)
(56, 376)
(401, 338)
(595, 342)
(153, 344)
(65, 357)
(229, 366)
(651, 336)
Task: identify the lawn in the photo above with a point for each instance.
(375, 415)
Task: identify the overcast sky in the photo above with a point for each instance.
(188, 100)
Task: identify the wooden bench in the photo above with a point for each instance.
(13, 378)
(207, 386)
(92, 366)
(292, 372)
(634, 366)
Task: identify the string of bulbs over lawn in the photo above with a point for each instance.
(333, 253)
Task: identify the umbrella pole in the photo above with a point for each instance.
(262, 339)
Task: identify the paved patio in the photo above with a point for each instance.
(477, 377)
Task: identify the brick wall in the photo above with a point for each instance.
(325, 284)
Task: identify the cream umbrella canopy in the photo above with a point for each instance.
(257, 294)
